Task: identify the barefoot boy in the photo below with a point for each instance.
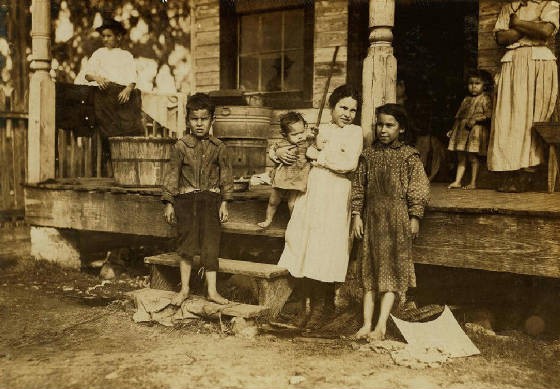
(197, 186)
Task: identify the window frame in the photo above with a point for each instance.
(230, 17)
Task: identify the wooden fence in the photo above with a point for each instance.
(13, 157)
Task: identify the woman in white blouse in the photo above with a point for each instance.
(317, 235)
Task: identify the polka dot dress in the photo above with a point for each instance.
(388, 188)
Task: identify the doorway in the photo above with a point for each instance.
(435, 43)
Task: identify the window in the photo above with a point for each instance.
(272, 53)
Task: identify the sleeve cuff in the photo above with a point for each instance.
(166, 198)
(416, 212)
(227, 197)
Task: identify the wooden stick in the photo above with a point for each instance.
(326, 90)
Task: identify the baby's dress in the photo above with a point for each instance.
(388, 188)
(475, 139)
(294, 176)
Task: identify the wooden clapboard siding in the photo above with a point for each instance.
(489, 53)
(13, 156)
(331, 30)
(205, 45)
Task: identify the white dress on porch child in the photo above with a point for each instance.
(317, 235)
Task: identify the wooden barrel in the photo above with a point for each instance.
(245, 130)
(242, 122)
(248, 156)
(139, 161)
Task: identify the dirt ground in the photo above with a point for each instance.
(61, 329)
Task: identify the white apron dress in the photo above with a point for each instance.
(526, 91)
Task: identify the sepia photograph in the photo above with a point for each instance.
(279, 194)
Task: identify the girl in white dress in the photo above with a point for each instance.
(317, 235)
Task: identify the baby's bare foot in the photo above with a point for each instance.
(217, 298)
(470, 187)
(454, 185)
(264, 224)
(180, 297)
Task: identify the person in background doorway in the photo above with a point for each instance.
(469, 136)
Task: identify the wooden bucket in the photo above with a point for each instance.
(242, 122)
(139, 161)
(244, 129)
(248, 156)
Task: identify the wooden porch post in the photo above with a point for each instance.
(41, 132)
(380, 66)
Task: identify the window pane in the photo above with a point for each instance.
(271, 31)
(293, 70)
(271, 73)
(293, 21)
(249, 73)
(249, 34)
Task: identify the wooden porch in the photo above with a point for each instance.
(482, 229)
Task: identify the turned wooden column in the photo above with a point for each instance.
(41, 131)
(380, 66)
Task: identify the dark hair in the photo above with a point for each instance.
(288, 119)
(113, 25)
(398, 112)
(484, 76)
(200, 101)
(343, 91)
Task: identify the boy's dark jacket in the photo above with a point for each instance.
(198, 165)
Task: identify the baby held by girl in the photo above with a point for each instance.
(288, 181)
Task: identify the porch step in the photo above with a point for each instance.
(230, 266)
(274, 285)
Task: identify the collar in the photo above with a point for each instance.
(397, 144)
(191, 141)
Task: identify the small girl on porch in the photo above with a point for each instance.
(288, 181)
(389, 192)
(469, 136)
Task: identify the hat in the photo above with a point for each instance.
(112, 25)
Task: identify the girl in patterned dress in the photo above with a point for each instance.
(469, 136)
(389, 192)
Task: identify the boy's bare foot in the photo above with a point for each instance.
(454, 185)
(217, 298)
(470, 187)
(362, 333)
(180, 297)
(376, 335)
(264, 224)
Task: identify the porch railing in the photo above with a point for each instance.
(13, 159)
(82, 156)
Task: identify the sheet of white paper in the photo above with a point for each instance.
(443, 333)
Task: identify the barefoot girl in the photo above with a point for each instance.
(469, 136)
(389, 192)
